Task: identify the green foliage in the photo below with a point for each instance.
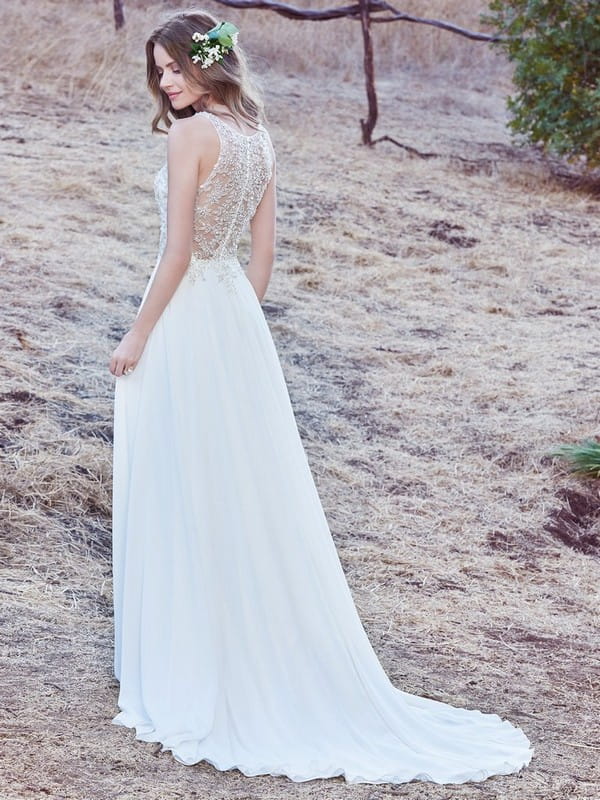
(224, 34)
(555, 45)
(214, 45)
(583, 458)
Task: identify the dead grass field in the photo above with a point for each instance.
(437, 321)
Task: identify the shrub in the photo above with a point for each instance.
(555, 45)
(583, 458)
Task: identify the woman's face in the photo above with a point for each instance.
(172, 82)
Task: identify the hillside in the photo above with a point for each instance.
(436, 320)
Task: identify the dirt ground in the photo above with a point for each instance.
(437, 324)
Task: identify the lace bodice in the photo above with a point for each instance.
(227, 199)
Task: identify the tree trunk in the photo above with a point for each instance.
(369, 123)
(119, 14)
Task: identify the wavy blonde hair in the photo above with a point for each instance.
(228, 81)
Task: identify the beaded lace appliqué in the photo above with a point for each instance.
(225, 202)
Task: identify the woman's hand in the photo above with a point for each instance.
(127, 354)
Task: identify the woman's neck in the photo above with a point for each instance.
(221, 110)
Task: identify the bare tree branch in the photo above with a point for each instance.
(412, 150)
(394, 15)
(354, 12)
(369, 123)
(366, 12)
(292, 12)
(119, 14)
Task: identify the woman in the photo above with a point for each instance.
(237, 640)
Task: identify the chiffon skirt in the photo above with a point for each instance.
(237, 641)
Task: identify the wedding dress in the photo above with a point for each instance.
(237, 641)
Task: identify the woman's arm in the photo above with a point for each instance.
(262, 232)
(183, 167)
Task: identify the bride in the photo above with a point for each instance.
(237, 641)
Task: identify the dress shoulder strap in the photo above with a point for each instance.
(220, 124)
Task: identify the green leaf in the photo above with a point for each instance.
(223, 33)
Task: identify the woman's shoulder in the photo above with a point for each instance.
(198, 125)
(262, 127)
(193, 137)
(190, 140)
(205, 130)
(265, 130)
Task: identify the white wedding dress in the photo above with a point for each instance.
(237, 641)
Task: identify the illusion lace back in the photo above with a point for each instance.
(237, 640)
(227, 199)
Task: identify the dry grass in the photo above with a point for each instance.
(75, 50)
(436, 321)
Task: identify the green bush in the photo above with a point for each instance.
(582, 458)
(555, 45)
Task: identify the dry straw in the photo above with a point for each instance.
(90, 62)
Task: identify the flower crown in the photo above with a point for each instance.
(214, 44)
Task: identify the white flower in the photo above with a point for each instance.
(234, 38)
(209, 51)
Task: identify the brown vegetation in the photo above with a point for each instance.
(436, 319)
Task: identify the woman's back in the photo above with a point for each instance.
(228, 198)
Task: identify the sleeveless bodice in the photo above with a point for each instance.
(226, 201)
